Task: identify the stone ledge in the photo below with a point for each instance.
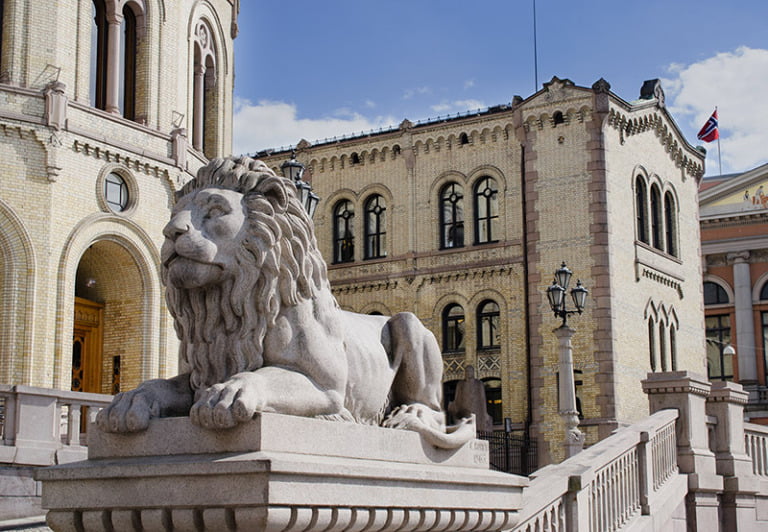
(284, 434)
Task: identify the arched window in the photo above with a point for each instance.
(452, 216)
(453, 328)
(488, 325)
(652, 344)
(656, 234)
(113, 65)
(673, 347)
(558, 118)
(714, 294)
(641, 210)
(670, 224)
(463, 139)
(663, 347)
(375, 227)
(486, 211)
(764, 292)
(354, 158)
(205, 119)
(99, 31)
(343, 232)
(494, 405)
(128, 53)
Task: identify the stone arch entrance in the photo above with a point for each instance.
(108, 324)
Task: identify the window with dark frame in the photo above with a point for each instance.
(641, 206)
(128, 52)
(452, 216)
(670, 224)
(714, 294)
(375, 227)
(656, 229)
(718, 333)
(488, 325)
(116, 192)
(453, 328)
(652, 344)
(343, 232)
(99, 38)
(486, 211)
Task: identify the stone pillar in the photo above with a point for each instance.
(114, 21)
(198, 107)
(745, 328)
(726, 403)
(687, 392)
(574, 439)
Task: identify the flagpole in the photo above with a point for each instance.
(719, 160)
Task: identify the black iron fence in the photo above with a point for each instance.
(511, 453)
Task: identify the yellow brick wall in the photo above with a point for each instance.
(575, 202)
(52, 209)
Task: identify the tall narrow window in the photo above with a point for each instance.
(663, 347)
(488, 325)
(375, 227)
(2, 11)
(718, 332)
(205, 105)
(652, 344)
(453, 328)
(641, 210)
(656, 234)
(670, 224)
(99, 33)
(673, 347)
(127, 85)
(486, 211)
(343, 232)
(494, 408)
(452, 216)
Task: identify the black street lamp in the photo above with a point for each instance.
(556, 294)
(294, 171)
(574, 438)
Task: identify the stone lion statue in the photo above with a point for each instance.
(260, 330)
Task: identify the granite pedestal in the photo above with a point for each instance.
(278, 472)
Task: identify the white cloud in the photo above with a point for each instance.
(469, 84)
(410, 93)
(458, 106)
(271, 124)
(733, 82)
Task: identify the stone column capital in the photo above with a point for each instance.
(737, 257)
(677, 382)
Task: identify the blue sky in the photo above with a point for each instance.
(311, 69)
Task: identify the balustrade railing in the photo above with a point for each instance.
(756, 443)
(40, 426)
(602, 488)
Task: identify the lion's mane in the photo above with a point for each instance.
(222, 327)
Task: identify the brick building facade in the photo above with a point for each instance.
(96, 101)
(734, 225)
(463, 221)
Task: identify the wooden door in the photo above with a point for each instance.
(87, 346)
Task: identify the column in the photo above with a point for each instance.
(198, 107)
(744, 316)
(740, 485)
(574, 439)
(687, 392)
(114, 22)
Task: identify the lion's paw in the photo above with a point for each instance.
(129, 412)
(227, 404)
(414, 417)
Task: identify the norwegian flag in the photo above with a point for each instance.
(709, 132)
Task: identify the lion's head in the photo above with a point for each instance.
(238, 248)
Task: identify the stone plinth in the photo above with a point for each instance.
(278, 473)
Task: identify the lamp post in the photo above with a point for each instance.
(294, 170)
(574, 438)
